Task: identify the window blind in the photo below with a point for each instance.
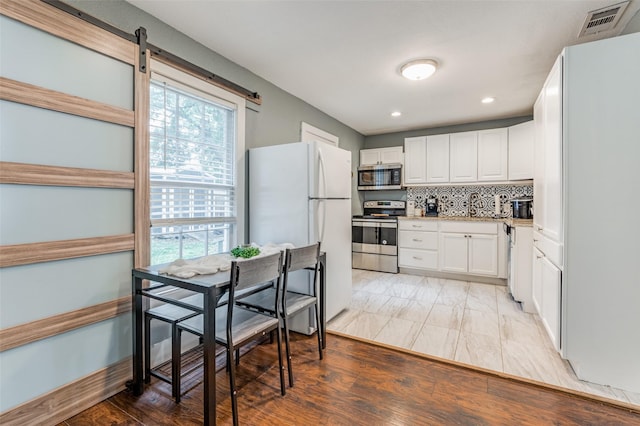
(192, 173)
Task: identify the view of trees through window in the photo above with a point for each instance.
(192, 153)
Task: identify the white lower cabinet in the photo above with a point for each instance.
(455, 252)
(547, 295)
(483, 254)
(418, 244)
(449, 246)
(469, 253)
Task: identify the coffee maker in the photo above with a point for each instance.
(431, 207)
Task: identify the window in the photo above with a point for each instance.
(196, 157)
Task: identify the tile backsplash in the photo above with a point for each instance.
(455, 200)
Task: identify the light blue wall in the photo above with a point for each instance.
(43, 213)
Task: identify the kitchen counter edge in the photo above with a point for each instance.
(509, 221)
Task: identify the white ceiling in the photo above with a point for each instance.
(343, 57)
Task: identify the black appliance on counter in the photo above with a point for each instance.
(522, 208)
(374, 236)
(431, 207)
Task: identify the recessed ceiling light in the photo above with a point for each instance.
(396, 114)
(488, 100)
(419, 70)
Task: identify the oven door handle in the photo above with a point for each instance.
(374, 224)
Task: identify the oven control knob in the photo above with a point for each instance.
(384, 242)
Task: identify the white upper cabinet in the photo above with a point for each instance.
(521, 141)
(538, 164)
(553, 153)
(415, 165)
(438, 159)
(464, 157)
(547, 184)
(492, 154)
(371, 157)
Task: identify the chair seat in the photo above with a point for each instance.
(172, 313)
(246, 325)
(264, 300)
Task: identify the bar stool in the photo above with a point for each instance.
(172, 315)
(291, 302)
(235, 326)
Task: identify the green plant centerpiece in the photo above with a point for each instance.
(245, 252)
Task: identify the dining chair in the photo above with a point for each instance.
(291, 302)
(236, 326)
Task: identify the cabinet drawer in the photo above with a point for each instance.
(423, 259)
(418, 240)
(418, 225)
(469, 227)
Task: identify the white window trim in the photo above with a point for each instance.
(180, 79)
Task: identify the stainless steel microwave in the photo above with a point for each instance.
(379, 177)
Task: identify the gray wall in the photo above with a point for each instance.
(397, 138)
(276, 121)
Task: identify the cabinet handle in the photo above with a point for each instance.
(535, 240)
(539, 257)
(539, 228)
(416, 226)
(417, 240)
(417, 258)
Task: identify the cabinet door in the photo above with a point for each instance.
(492, 154)
(553, 153)
(483, 254)
(453, 252)
(538, 164)
(536, 283)
(521, 139)
(438, 158)
(415, 165)
(391, 155)
(551, 296)
(369, 157)
(463, 157)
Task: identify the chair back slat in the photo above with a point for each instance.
(247, 273)
(296, 259)
(302, 257)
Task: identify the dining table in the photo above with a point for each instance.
(146, 281)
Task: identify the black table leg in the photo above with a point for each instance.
(137, 336)
(323, 304)
(209, 345)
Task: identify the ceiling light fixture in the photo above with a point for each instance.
(396, 114)
(419, 69)
(488, 100)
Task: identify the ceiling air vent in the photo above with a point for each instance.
(603, 19)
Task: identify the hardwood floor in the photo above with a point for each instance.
(358, 384)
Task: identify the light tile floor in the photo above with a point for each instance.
(469, 322)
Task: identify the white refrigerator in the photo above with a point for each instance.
(300, 193)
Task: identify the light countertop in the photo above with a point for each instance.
(507, 220)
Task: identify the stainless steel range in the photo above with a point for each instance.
(374, 236)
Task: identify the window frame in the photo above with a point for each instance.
(182, 80)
